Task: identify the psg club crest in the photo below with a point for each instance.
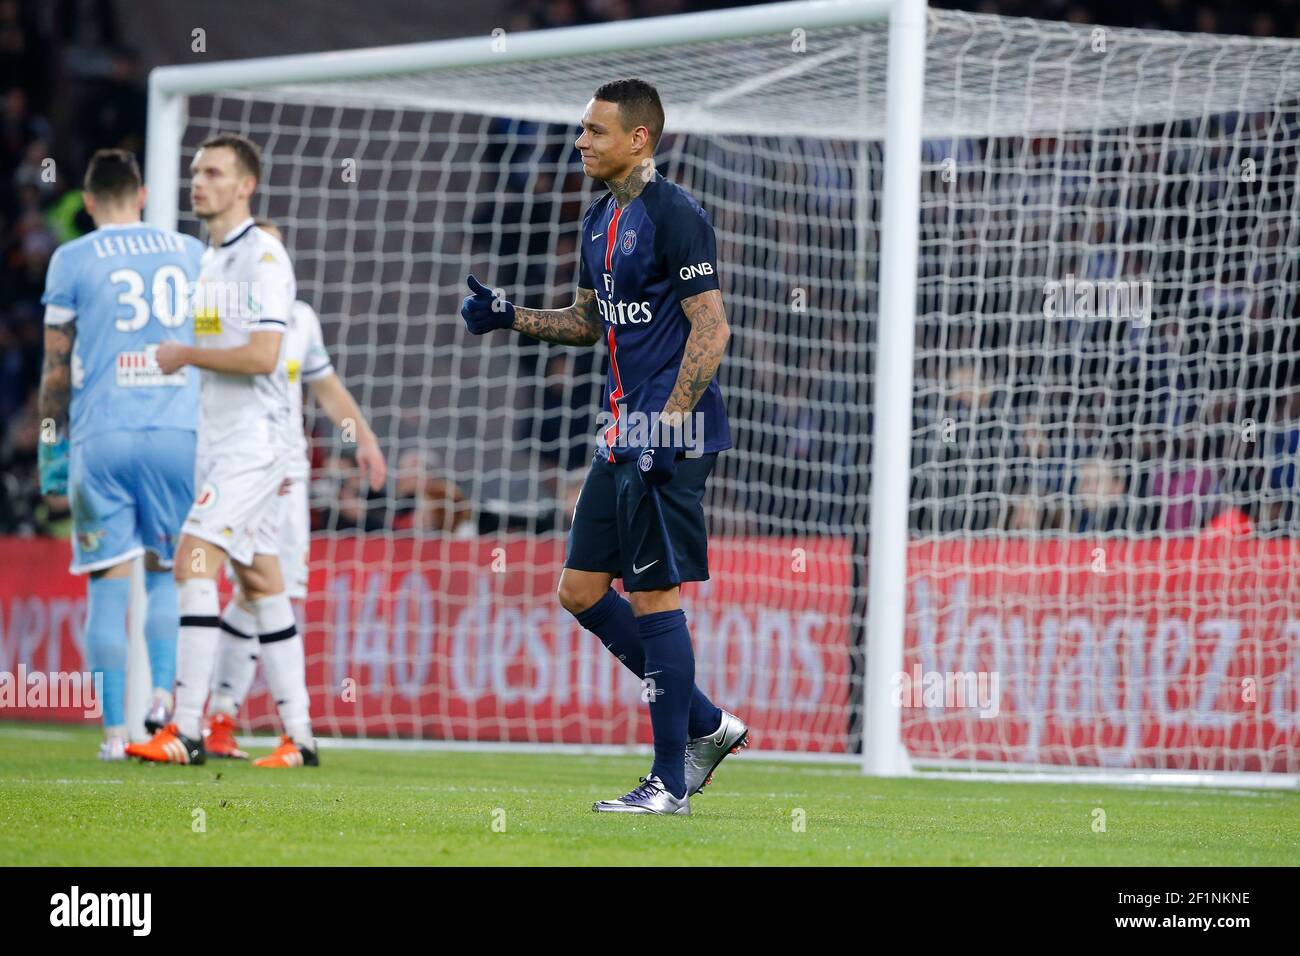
(629, 241)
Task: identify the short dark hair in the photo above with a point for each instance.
(112, 174)
(638, 105)
(246, 152)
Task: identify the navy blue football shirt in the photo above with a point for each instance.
(641, 262)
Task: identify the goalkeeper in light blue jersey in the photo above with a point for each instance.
(118, 435)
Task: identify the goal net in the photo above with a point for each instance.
(1105, 412)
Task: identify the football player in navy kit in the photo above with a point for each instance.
(648, 286)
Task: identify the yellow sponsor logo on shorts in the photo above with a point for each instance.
(293, 367)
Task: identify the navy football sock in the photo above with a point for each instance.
(669, 676)
(611, 619)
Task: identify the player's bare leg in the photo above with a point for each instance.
(653, 602)
(580, 590)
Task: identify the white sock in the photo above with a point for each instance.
(285, 666)
(196, 652)
(237, 651)
(163, 697)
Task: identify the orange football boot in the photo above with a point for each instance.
(169, 745)
(289, 754)
(219, 738)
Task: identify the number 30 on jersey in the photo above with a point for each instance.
(169, 295)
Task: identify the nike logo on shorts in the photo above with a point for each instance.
(636, 570)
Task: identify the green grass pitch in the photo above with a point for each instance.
(60, 806)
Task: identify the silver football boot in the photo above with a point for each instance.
(703, 754)
(158, 716)
(112, 748)
(649, 797)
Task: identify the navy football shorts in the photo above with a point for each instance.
(652, 539)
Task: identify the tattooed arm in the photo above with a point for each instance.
(579, 324)
(705, 347)
(56, 377)
(53, 401)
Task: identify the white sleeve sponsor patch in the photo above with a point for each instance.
(140, 370)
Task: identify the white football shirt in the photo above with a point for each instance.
(245, 285)
(304, 360)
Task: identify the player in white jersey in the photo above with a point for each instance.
(241, 311)
(305, 361)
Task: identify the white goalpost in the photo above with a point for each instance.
(1011, 383)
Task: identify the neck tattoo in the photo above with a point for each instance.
(628, 188)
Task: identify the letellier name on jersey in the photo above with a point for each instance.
(144, 244)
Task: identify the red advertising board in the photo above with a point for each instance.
(1179, 653)
(42, 612)
(465, 640)
(1176, 654)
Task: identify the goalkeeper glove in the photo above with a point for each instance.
(52, 463)
(483, 311)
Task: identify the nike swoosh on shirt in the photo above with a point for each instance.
(637, 570)
(596, 235)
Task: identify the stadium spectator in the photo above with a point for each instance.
(1282, 464)
(414, 466)
(564, 424)
(441, 507)
(22, 506)
(425, 499)
(40, 203)
(1230, 522)
(347, 502)
(1185, 489)
(960, 454)
(1102, 498)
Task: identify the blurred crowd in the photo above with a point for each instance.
(1023, 423)
(69, 84)
(1182, 414)
(1262, 18)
